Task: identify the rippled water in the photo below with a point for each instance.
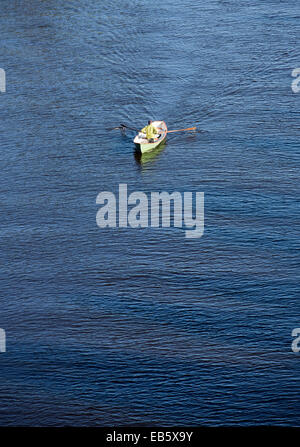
(142, 326)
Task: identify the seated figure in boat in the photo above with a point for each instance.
(150, 131)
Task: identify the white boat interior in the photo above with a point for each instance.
(141, 137)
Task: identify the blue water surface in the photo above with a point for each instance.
(144, 326)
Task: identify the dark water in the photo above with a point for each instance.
(143, 326)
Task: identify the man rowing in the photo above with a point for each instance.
(150, 131)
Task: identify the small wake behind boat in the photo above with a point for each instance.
(144, 145)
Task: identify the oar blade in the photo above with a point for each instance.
(123, 126)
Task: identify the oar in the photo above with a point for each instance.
(169, 131)
(181, 130)
(127, 127)
(123, 126)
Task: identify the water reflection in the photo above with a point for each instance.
(146, 159)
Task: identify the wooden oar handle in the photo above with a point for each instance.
(181, 130)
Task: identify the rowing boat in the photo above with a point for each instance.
(143, 145)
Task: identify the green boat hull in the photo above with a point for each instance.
(149, 146)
